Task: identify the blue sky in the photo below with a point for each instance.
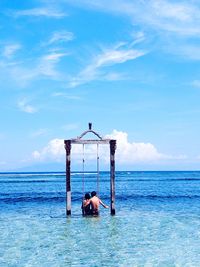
(130, 67)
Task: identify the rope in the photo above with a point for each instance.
(98, 170)
(83, 170)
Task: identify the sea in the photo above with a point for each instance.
(157, 221)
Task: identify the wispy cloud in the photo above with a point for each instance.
(171, 26)
(181, 18)
(60, 37)
(53, 57)
(43, 66)
(28, 70)
(40, 12)
(67, 96)
(10, 49)
(108, 57)
(24, 106)
(138, 37)
(116, 57)
(177, 17)
(48, 63)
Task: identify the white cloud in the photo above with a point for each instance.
(25, 107)
(54, 150)
(32, 69)
(47, 63)
(133, 152)
(67, 96)
(107, 58)
(169, 26)
(10, 50)
(61, 36)
(138, 37)
(40, 12)
(180, 17)
(167, 9)
(127, 153)
(44, 66)
(137, 152)
(112, 57)
(177, 17)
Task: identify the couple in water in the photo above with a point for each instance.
(90, 205)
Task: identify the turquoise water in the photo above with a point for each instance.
(157, 221)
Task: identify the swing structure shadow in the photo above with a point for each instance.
(98, 141)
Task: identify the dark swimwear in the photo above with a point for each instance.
(86, 210)
(95, 212)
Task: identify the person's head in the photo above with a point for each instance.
(93, 193)
(87, 196)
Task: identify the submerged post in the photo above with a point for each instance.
(112, 176)
(68, 180)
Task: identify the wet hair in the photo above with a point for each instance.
(87, 196)
(93, 193)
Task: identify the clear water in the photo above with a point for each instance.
(157, 221)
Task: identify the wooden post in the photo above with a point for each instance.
(68, 181)
(112, 176)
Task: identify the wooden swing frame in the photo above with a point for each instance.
(98, 141)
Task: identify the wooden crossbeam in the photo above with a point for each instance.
(90, 142)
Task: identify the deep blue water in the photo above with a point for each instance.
(157, 220)
(133, 189)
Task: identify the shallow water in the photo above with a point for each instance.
(157, 221)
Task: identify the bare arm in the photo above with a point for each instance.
(105, 206)
(86, 202)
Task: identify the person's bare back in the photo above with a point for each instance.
(95, 202)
